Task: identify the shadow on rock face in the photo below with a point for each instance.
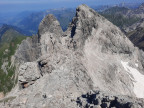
(97, 99)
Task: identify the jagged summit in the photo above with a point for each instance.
(141, 6)
(92, 55)
(87, 12)
(49, 24)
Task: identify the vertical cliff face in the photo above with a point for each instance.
(49, 34)
(56, 67)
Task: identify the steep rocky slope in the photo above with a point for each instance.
(56, 68)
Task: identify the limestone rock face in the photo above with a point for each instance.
(49, 24)
(49, 34)
(28, 51)
(56, 67)
(28, 73)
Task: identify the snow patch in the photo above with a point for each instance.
(138, 79)
(136, 65)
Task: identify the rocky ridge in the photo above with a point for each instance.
(139, 24)
(138, 12)
(56, 67)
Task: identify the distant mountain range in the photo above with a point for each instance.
(5, 28)
(129, 5)
(121, 16)
(130, 21)
(125, 16)
(28, 21)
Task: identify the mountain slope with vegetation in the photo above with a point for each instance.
(9, 40)
(8, 30)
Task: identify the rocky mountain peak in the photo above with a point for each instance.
(92, 55)
(141, 6)
(49, 24)
(88, 23)
(84, 11)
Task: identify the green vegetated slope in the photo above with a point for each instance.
(117, 15)
(8, 45)
(9, 35)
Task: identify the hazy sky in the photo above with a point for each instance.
(22, 5)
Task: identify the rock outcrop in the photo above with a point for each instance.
(99, 99)
(56, 67)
